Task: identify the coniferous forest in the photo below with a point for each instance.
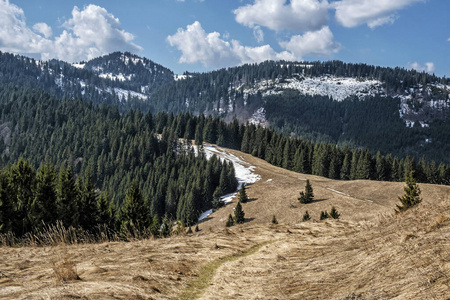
(88, 165)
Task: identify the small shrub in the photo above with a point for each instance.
(65, 270)
(324, 215)
(230, 221)
(274, 220)
(196, 228)
(306, 216)
(334, 213)
(189, 230)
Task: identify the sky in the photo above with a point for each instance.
(203, 35)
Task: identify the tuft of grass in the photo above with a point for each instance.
(196, 287)
(65, 270)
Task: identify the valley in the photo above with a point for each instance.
(369, 253)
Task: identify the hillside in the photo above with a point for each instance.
(392, 110)
(369, 253)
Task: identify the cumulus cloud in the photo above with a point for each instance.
(90, 32)
(312, 43)
(428, 67)
(352, 13)
(43, 29)
(198, 46)
(295, 15)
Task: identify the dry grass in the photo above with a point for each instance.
(370, 253)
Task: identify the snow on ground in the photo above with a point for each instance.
(244, 172)
(78, 66)
(119, 77)
(123, 94)
(259, 117)
(338, 88)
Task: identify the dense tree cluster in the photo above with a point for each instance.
(118, 152)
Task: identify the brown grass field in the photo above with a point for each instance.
(369, 253)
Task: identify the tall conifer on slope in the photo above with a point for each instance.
(308, 195)
(412, 194)
(242, 197)
(134, 209)
(239, 214)
(44, 207)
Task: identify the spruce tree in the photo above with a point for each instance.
(242, 197)
(308, 195)
(155, 226)
(306, 216)
(334, 213)
(324, 215)
(134, 210)
(412, 194)
(274, 220)
(44, 205)
(239, 214)
(230, 221)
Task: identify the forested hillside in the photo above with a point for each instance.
(392, 110)
(87, 156)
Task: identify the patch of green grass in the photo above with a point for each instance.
(197, 286)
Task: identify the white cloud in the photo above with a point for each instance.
(43, 29)
(351, 13)
(312, 43)
(448, 40)
(198, 46)
(258, 34)
(295, 15)
(428, 67)
(90, 32)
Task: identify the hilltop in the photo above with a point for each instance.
(369, 253)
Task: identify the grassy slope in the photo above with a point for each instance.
(368, 254)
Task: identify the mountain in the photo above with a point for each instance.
(121, 79)
(393, 110)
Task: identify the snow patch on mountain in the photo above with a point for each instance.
(259, 117)
(120, 76)
(337, 88)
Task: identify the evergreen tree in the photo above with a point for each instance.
(412, 194)
(334, 213)
(44, 208)
(230, 221)
(134, 210)
(324, 215)
(274, 220)
(306, 217)
(308, 195)
(67, 198)
(106, 211)
(239, 214)
(155, 226)
(242, 196)
(88, 202)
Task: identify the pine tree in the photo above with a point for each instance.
(306, 216)
(242, 197)
(44, 205)
(230, 221)
(324, 215)
(274, 220)
(308, 195)
(334, 213)
(88, 202)
(134, 210)
(239, 214)
(412, 194)
(166, 226)
(155, 226)
(67, 198)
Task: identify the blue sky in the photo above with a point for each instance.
(202, 35)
